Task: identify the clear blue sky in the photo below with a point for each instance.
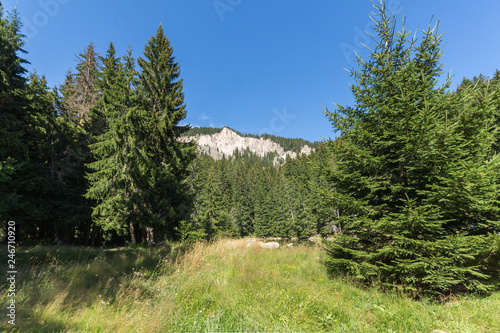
(254, 65)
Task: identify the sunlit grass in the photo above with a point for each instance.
(220, 287)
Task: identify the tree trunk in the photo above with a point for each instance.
(132, 232)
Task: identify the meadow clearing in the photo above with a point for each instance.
(224, 286)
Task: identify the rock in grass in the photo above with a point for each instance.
(270, 245)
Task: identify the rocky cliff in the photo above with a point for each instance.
(227, 142)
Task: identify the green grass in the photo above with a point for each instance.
(220, 287)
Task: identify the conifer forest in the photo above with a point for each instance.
(406, 194)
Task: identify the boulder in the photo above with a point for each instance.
(251, 242)
(316, 239)
(270, 245)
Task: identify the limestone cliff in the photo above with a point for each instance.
(226, 142)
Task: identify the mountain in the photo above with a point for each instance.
(224, 143)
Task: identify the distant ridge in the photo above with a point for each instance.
(289, 144)
(225, 142)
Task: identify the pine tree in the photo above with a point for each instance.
(69, 151)
(263, 202)
(86, 93)
(37, 181)
(415, 175)
(165, 162)
(240, 199)
(113, 177)
(13, 108)
(303, 221)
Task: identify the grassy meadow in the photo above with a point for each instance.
(218, 287)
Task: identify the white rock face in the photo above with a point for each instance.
(306, 150)
(225, 143)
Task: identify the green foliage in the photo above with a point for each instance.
(112, 177)
(202, 131)
(165, 161)
(138, 176)
(416, 176)
(13, 106)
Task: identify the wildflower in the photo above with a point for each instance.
(108, 302)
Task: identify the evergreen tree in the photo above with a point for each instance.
(165, 161)
(37, 181)
(113, 176)
(303, 220)
(281, 207)
(69, 151)
(241, 199)
(13, 108)
(415, 174)
(86, 93)
(265, 203)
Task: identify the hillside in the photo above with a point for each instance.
(225, 142)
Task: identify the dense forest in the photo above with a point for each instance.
(410, 186)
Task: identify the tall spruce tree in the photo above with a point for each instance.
(13, 107)
(165, 162)
(112, 177)
(415, 176)
(37, 181)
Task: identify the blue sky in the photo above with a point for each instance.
(256, 66)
